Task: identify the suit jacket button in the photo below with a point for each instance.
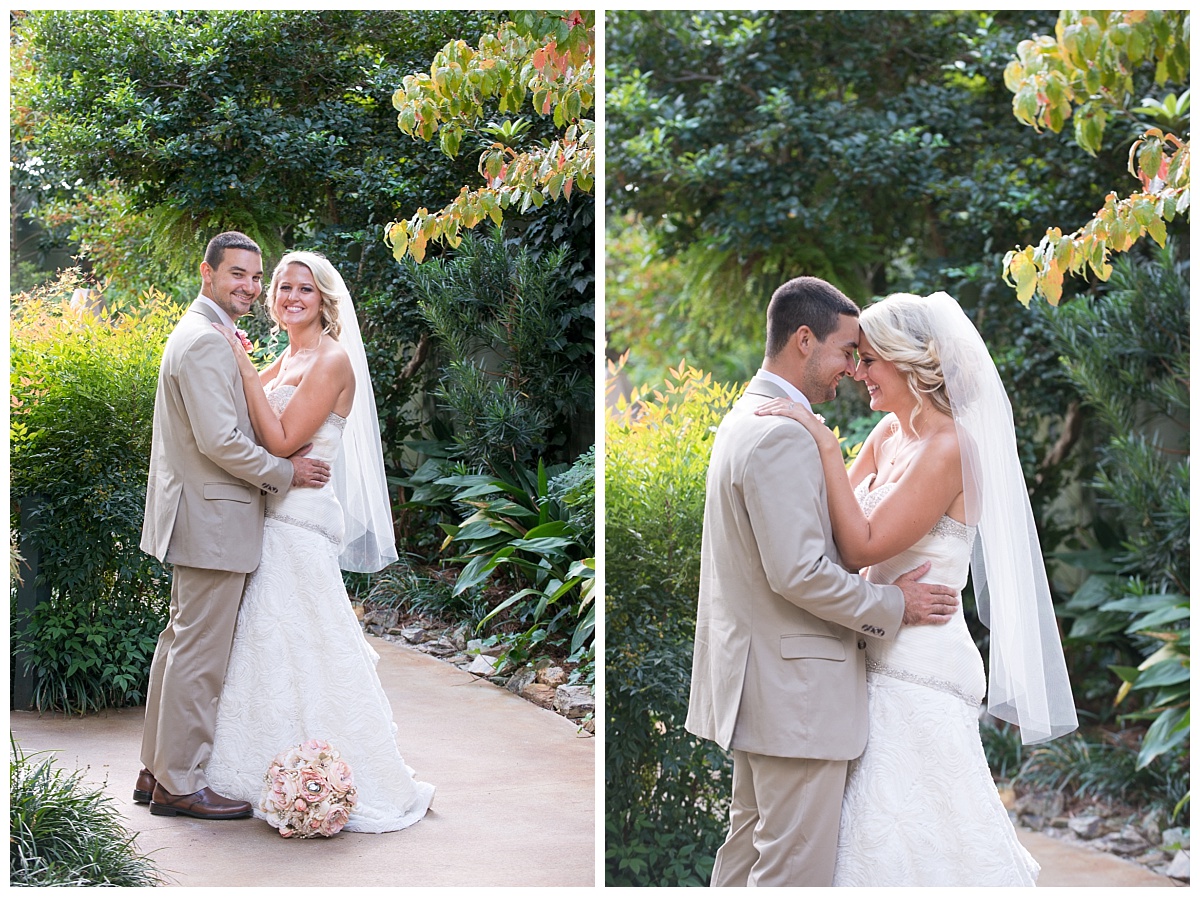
(862, 644)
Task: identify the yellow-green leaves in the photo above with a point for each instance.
(545, 59)
(1088, 64)
(1161, 162)
(1084, 73)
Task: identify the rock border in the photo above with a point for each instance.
(1145, 837)
(547, 687)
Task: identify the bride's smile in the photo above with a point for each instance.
(298, 301)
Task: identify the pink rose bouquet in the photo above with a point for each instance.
(308, 791)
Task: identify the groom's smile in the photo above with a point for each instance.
(236, 281)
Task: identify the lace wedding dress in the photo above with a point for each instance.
(301, 668)
(920, 806)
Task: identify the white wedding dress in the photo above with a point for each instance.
(300, 667)
(920, 807)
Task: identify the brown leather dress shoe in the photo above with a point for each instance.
(204, 804)
(143, 791)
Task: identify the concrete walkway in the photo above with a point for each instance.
(515, 803)
(1067, 865)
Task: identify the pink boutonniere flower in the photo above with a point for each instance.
(246, 344)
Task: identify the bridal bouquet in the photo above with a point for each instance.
(308, 791)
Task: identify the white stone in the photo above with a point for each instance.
(482, 665)
(1086, 827)
(574, 701)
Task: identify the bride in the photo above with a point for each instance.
(300, 667)
(939, 479)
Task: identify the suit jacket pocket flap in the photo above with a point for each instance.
(821, 647)
(227, 491)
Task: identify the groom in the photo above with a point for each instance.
(204, 516)
(778, 673)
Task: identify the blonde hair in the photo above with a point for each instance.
(328, 281)
(899, 329)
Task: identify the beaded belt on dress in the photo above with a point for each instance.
(304, 524)
(882, 669)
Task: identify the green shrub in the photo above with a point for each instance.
(520, 537)
(1128, 353)
(666, 792)
(411, 591)
(82, 402)
(63, 832)
(515, 342)
(575, 489)
(1098, 766)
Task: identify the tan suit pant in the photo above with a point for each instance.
(783, 822)
(187, 674)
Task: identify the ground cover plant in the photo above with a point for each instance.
(64, 832)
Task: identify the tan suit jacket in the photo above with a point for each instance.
(781, 625)
(208, 475)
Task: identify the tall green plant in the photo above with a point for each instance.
(666, 791)
(1128, 353)
(82, 403)
(516, 345)
(524, 532)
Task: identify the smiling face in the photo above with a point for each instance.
(829, 360)
(236, 281)
(887, 388)
(297, 298)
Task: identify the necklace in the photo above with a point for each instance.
(293, 352)
(901, 448)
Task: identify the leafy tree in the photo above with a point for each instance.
(277, 123)
(870, 148)
(1092, 70)
(547, 57)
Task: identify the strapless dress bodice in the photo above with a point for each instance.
(943, 656)
(313, 509)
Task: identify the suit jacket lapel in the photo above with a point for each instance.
(204, 310)
(760, 386)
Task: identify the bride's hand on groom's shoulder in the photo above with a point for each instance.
(237, 339)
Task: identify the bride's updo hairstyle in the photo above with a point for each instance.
(328, 281)
(898, 328)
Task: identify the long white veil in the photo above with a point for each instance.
(1027, 682)
(357, 473)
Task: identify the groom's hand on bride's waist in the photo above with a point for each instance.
(308, 471)
(926, 602)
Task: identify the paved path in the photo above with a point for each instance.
(515, 802)
(1067, 865)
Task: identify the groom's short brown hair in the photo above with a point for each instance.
(230, 239)
(805, 301)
